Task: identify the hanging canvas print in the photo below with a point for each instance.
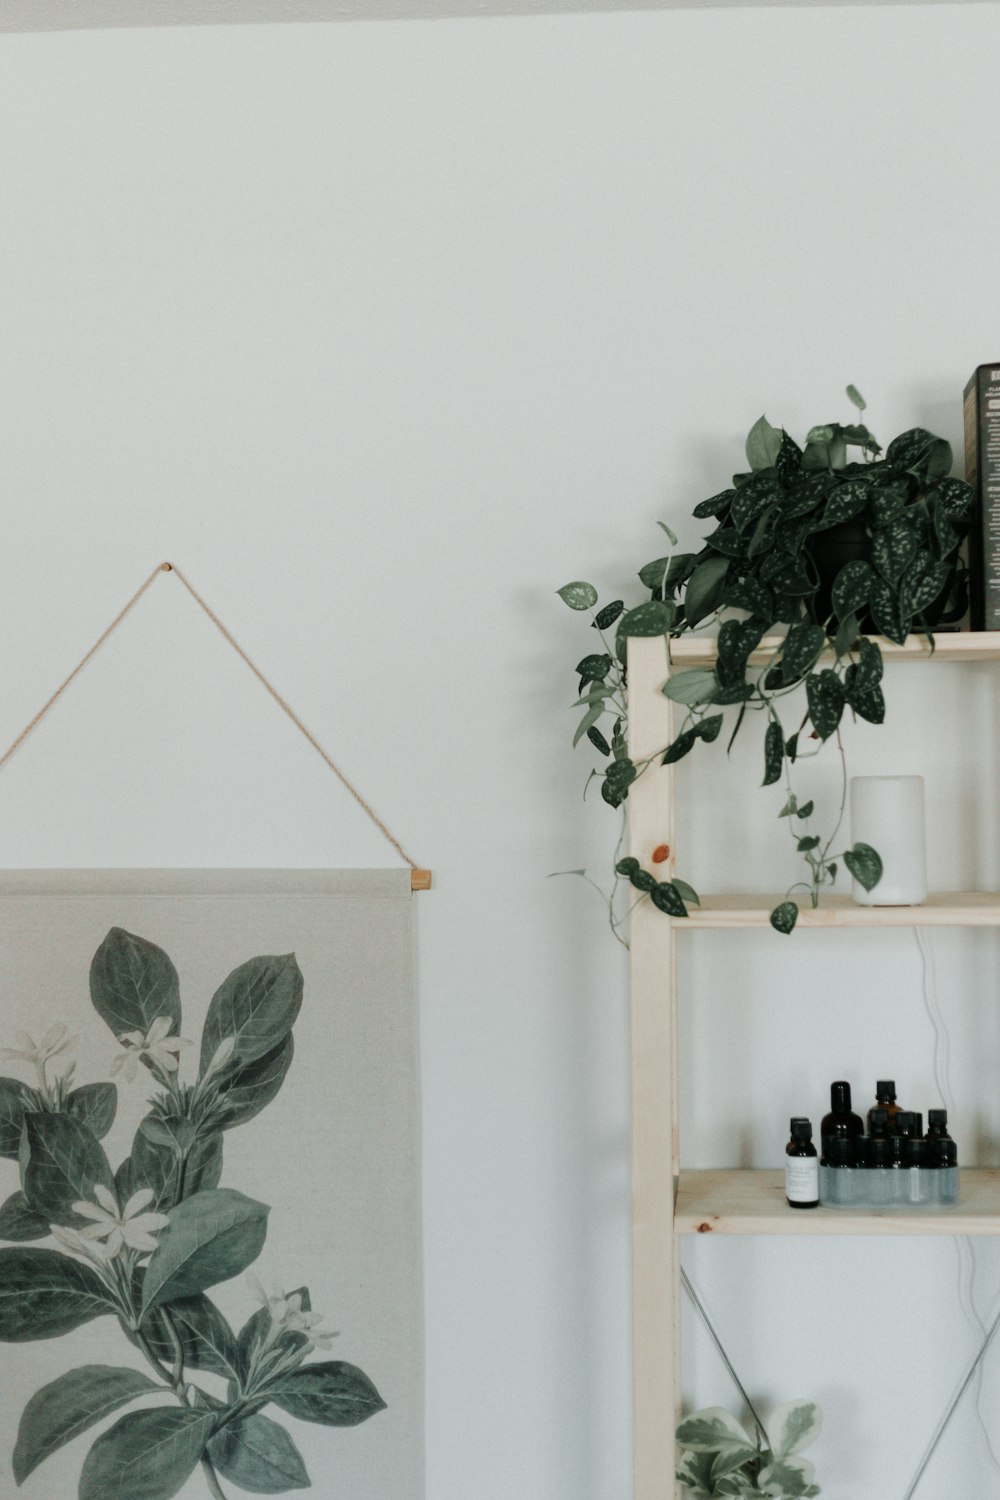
(210, 1278)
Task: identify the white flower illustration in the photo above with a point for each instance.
(70, 1239)
(55, 1042)
(156, 1045)
(118, 1228)
(289, 1316)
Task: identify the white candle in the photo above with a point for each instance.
(887, 812)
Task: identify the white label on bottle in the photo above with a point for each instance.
(802, 1179)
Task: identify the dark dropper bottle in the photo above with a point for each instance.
(885, 1098)
(801, 1167)
(841, 1123)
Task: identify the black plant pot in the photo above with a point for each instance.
(830, 550)
(850, 542)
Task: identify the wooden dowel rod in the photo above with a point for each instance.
(420, 880)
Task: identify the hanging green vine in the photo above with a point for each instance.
(823, 550)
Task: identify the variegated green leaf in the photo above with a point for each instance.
(710, 1429)
(794, 1426)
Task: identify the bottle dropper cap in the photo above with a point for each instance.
(941, 1152)
(937, 1117)
(905, 1122)
(841, 1151)
(878, 1122)
(840, 1096)
(885, 1088)
(801, 1128)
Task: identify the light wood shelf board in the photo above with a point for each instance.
(941, 909)
(962, 646)
(753, 1202)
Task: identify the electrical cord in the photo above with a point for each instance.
(968, 1263)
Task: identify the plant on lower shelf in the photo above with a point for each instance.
(719, 1458)
(824, 548)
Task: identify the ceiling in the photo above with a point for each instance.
(70, 15)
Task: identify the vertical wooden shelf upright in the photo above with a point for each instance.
(666, 1202)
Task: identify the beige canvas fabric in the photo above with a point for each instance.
(335, 1154)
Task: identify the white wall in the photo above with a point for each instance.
(384, 332)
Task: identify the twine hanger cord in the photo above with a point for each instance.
(167, 567)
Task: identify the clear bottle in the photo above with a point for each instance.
(885, 1098)
(841, 1123)
(801, 1166)
(838, 1175)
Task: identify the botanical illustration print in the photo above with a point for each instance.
(145, 1243)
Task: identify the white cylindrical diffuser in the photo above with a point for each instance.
(887, 812)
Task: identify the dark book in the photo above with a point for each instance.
(982, 470)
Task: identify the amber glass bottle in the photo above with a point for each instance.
(841, 1123)
(885, 1098)
(801, 1167)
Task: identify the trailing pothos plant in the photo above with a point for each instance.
(718, 1457)
(144, 1244)
(815, 550)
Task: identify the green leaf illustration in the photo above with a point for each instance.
(16, 1099)
(865, 865)
(257, 1004)
(61, 1162)
(156, 1164)
(95, 1105)
(253, 1335)
(66, 1407)
(259, 1456)
(132, 981)
(44, 1294)
(578, 595)
(20, 1223)
(246, 1092)
(146, 1455)
(211, 1237)
(333, 1393)
(206, 1337)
